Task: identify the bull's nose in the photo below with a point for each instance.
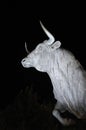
(23, 60)
(23, 63)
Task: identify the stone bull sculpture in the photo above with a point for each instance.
(67, 75)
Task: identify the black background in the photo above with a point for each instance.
(20, 23)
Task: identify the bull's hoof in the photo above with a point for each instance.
(63, 120)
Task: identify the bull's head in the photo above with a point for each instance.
(41, 56)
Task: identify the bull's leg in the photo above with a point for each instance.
(62, 120)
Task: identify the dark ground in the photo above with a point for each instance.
(26, 113)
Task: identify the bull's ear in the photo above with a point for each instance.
(56, 45)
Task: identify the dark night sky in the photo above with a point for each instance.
(21, 23)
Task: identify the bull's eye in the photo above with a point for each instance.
(40, 48)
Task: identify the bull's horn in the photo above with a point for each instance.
(51, 37)
(26, 48)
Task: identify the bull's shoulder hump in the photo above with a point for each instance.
(65, 54)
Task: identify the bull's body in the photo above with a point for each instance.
(69, 83)
(67, 76)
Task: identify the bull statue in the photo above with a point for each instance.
(67, 75)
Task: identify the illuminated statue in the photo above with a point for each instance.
(66, 73)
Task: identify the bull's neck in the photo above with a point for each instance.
(53, 69)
